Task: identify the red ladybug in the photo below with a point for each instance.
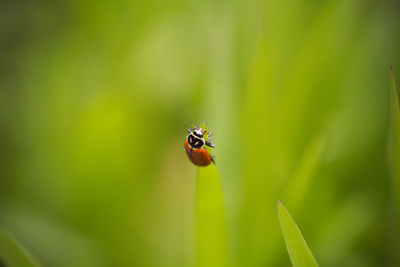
(195, 146)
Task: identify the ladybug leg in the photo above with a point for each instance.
(212, 159)
(208, 143)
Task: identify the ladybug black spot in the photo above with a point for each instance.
(195, 142)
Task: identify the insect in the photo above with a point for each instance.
(195, 146)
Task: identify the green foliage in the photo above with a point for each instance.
(299, 253)
(12, 254)
(96, 97)
(299, 185)
(394, 160)
(394, 140)
(211, 232)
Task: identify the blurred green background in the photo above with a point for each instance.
(96, 97)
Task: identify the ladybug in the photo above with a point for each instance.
(195, 146)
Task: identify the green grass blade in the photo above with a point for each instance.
(211, 232)
(12, 254)
(299, 253)
(300, 184)
(394, 162)
(394, 142)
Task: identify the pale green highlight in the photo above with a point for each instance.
(12, 253)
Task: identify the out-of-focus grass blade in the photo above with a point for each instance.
(302, 178)
(344, 228)
(394, 158)
(13, 254)
(211, 232)
(300, 254)
(394, 142)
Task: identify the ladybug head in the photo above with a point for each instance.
(199, 132)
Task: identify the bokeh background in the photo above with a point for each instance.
(96, 97)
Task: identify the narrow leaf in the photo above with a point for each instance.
(299, 253)
(394, 140)
(12, 254)
(300, 184)
(394, 164)
(211, 232)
